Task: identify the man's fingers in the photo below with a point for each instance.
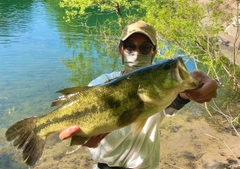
(69, 132)
(204, 98)
(206, 92)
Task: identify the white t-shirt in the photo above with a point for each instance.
(120, 148)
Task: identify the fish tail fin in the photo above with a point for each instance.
(25, 136)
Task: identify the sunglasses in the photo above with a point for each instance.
(144, 48)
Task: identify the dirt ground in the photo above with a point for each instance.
(189, 142)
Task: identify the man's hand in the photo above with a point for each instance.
(206, 92)
(91, 143)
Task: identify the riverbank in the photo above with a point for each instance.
(195, 141)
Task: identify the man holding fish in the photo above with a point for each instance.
(121, 148)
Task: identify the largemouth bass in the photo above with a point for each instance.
(129, 99)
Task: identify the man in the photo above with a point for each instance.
(119, 149)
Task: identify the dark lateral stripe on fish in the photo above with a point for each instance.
(128, 116)
(65, 117)
(78, 114)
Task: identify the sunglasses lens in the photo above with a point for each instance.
(129, 47)
(145, 48)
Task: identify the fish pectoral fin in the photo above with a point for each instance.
(149, 99)
(73, 90)
(137, 127)
(78, 140)
(73, 149)
(149, 95)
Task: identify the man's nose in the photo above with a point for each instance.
(137, 49)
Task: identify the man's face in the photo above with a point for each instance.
(137, 51)
(138, 40)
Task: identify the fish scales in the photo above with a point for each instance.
(87, 113)
(129, 99)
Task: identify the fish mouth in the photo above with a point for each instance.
(180, 71)
(181, 74)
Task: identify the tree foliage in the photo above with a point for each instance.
(182, 25)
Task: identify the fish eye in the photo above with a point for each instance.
(166, 66)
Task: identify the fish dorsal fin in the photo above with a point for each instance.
(61, 100)
(68, 93)
(73, 90)
(137, 126)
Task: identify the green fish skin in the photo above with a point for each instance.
(129, 99)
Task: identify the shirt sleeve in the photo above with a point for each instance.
(177, 104)
(104, 78)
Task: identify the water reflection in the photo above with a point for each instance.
(89, 57)
(13, 24)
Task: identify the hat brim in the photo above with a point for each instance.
(138, 31)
